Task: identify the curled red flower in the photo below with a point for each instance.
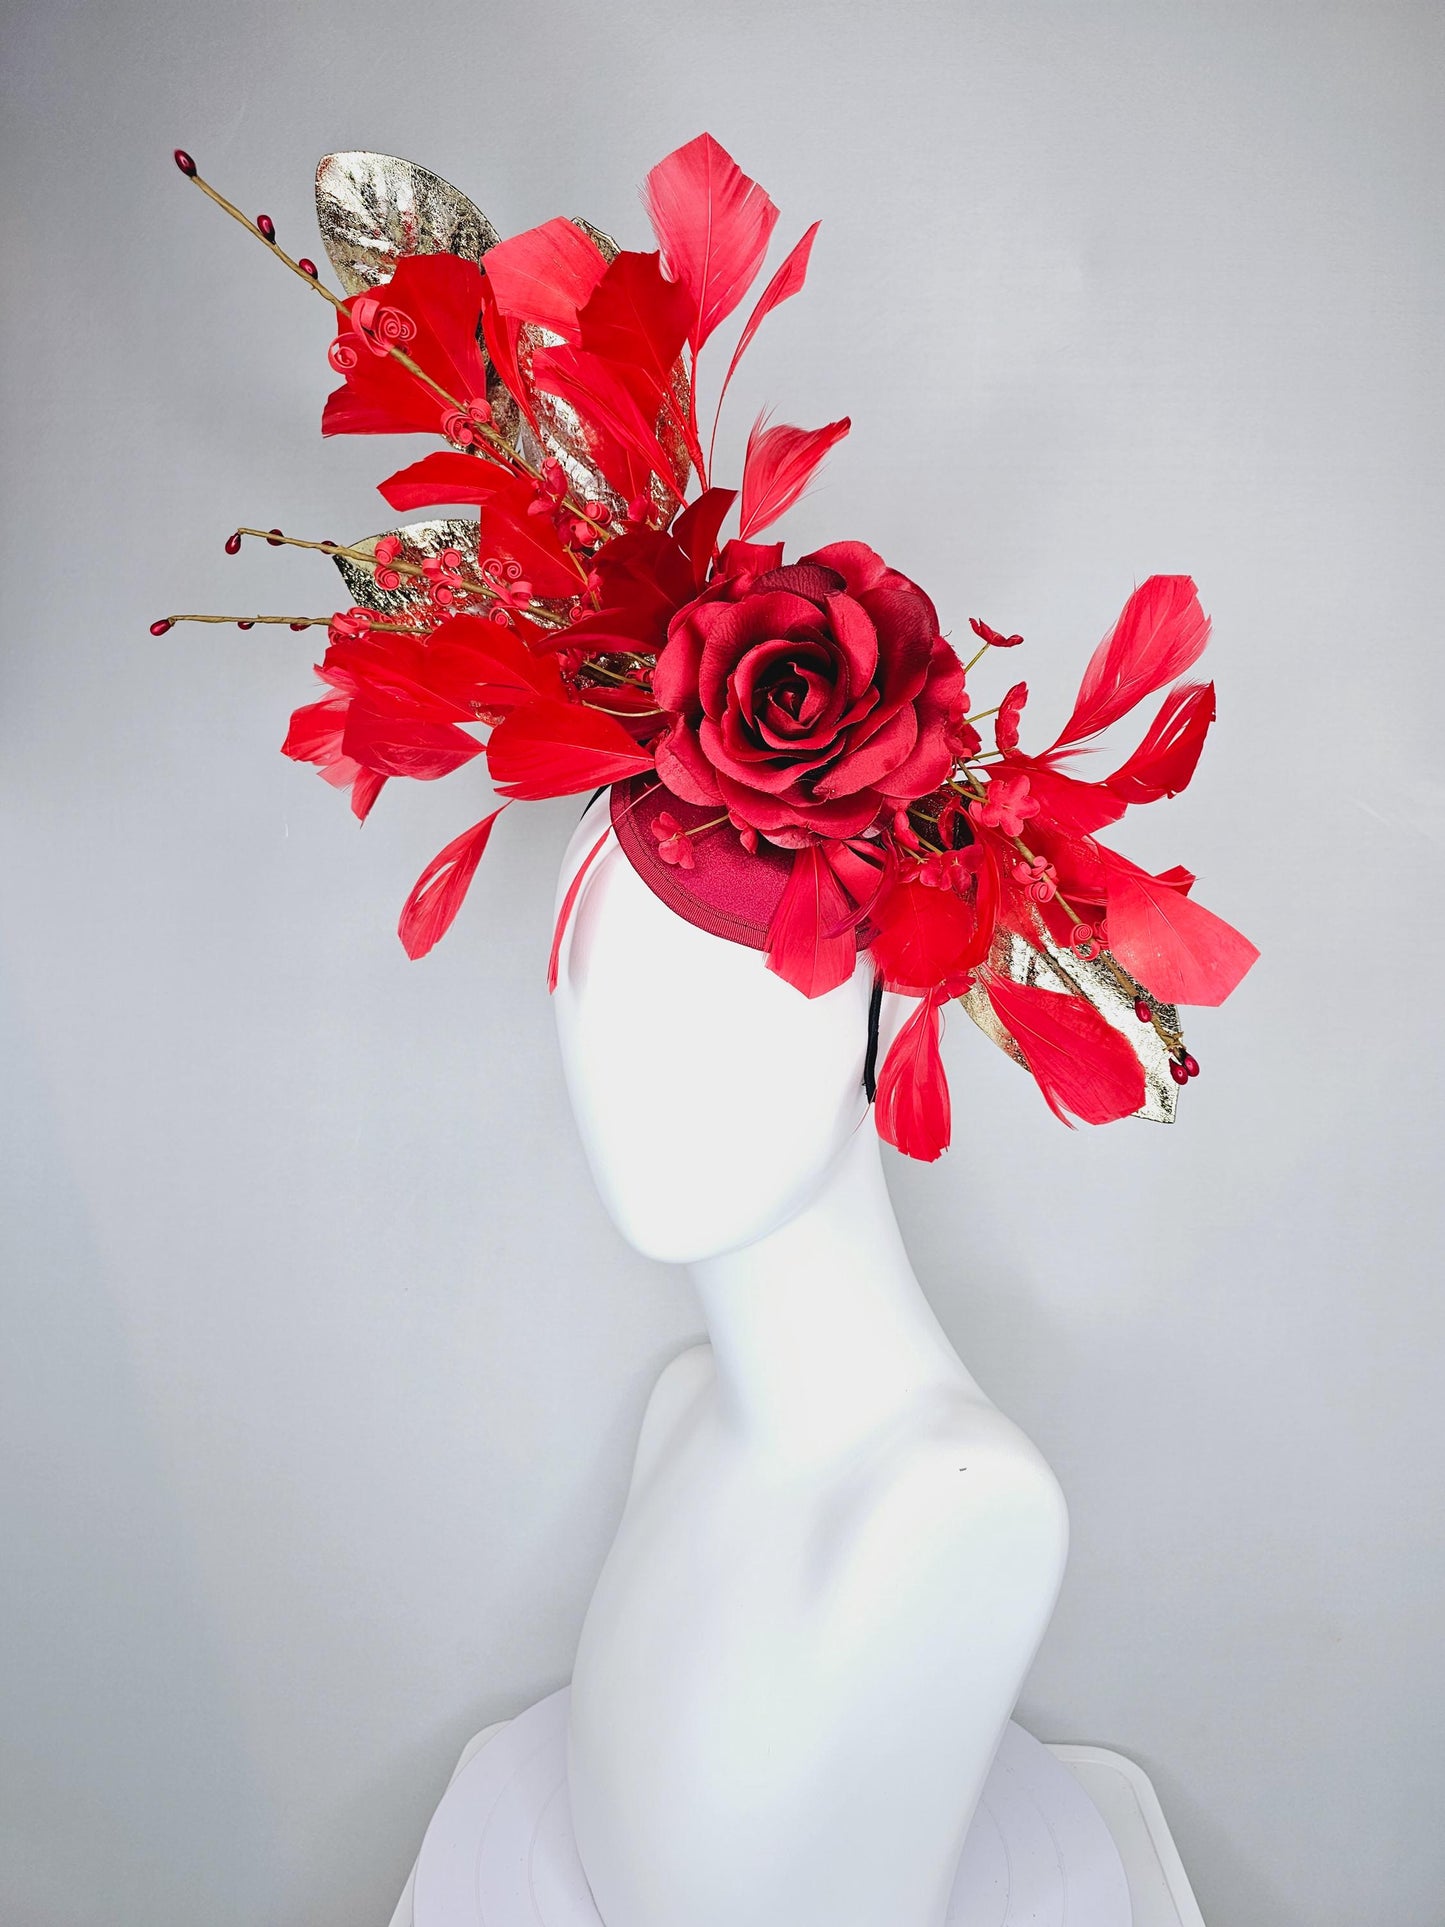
(804, 699)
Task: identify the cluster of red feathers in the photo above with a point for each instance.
(599, 629)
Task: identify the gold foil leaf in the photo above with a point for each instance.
(373, 209)
(1049, 966)
(419, 539)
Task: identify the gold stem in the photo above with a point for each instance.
(496, 441)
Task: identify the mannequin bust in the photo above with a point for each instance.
(837, 1558)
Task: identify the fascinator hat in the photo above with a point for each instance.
(793, 753)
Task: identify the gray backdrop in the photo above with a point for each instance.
(322, 1365)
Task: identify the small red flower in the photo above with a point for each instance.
(1008, 804)
(673, 845)
(1006, 723)
(992, 636)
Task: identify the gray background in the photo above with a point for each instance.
(322, 1365)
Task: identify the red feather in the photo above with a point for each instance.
(314, 735)
(393, 675)
(1160, 633)
(1165, 761)
(810, 939)
(1075, 807)
(787, 282)
(559, 749)
(925, 937)
(636, 319)
(713, 225)
(488, 665)
(569, 904)
(428, 912)
(1180, 951)
(401, 746)
(696, 530)
(780, 463)
(604, 397)
(546, 275)
(442, 295)
(366, 786)
(912, 1109)
(1083, 1066)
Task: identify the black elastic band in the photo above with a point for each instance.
(870, 1061)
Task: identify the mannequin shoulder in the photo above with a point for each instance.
(959, 1476)
(680, 1386)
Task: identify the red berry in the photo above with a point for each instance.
(159, 628)
(1178, 1072)
(265, 227)
(275, 538)
(184, 162)
(1142, 1011)
(307, 267)
(233, 543)
(1191, 1065)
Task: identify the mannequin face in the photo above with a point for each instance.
(712, 1097)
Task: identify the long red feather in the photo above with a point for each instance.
(1085, 1068)
(1165, 761)
(787, 282)
(1160, 633)
(713, 225)
(545, 276)
(912, 1109)
(637, 318)
(403, 746)
(602, 395)
(437, 896)
(559, 749)
(780, 463)
(1180, 950)
(489, 665)
(569, 904)
(808, 946)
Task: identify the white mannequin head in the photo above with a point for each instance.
(713, 1098)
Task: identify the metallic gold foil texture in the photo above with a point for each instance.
(374, 208)
(420, 539)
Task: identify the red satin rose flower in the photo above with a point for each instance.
(803, 699)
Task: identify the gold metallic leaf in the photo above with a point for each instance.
(420, 539)
(1051, 967)
(373, 209)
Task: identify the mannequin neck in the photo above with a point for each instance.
(820, 1332)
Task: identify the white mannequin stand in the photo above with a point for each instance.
(837, 1558)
